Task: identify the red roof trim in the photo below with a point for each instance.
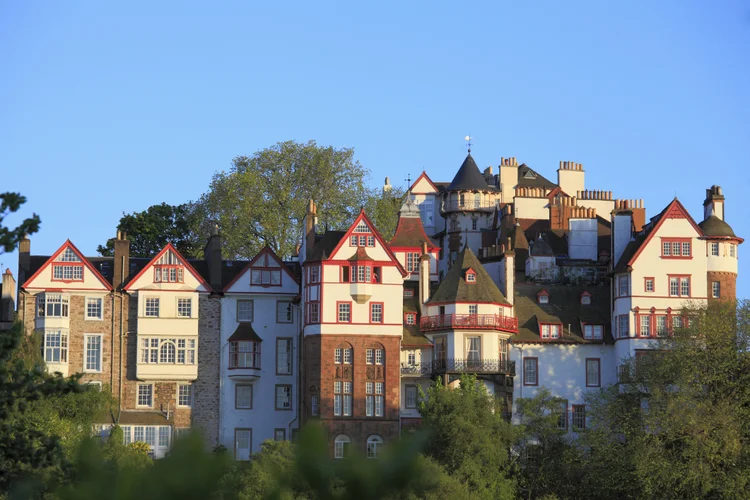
(345, 239)
(542, 292)
(265, 250)
(423, 175)
(158, 256)
(84, 261)
(674, 210)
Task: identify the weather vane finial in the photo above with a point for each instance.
(408, 180)
(468, 139)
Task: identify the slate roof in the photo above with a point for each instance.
(454, 288)
(245, 332)
(537, 181)
(541, 248)
(564, 307)
(714, 226)
(469, 178)
(325, 244)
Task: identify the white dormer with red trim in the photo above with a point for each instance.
(424, 194)
(167, 292)
(470, 276)
(361, 283)
(542, 297)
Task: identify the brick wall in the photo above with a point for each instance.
(727, 285)
(206, 387)
(321, 371)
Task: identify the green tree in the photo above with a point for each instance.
(9, 237)
(150, 231)
(549, 461)
(470, 439)
(382, 208)
(26, 448)
(263, 198)
(679, 427)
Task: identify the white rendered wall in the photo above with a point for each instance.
(531, 208)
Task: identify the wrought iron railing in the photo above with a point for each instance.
(423, 369)
(455, 365)
(469, 321)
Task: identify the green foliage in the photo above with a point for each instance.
(263, 198)
(9, 238)
(681, 427)
(470, 438)
(150, 231)
(34, 407)
(382, 208)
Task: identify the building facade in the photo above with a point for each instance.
(525, 282)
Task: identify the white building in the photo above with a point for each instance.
(260, 334)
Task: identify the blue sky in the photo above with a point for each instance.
(108, 108)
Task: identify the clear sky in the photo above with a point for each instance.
(108, 108)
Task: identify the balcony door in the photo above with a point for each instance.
(441, 349)
(473, 351)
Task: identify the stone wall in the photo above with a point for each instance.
(206, 387)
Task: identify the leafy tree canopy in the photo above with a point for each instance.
(150, 231)
(470, 438)
(9, 237)
(263, 198)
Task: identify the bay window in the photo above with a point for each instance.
(52, 305)
(244, 354)
(158, 350)
(56, 346)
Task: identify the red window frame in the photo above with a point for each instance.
(309, 312)
(599, 372)
(408, 292)
(382, 313)
(645, 284)
(523, 367)
(407, 316)
(559, 335)
(681, 242)
(350, 311)
(66, 264)
(679, 285)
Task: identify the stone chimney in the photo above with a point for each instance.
(714, 203)
(212, 254)
(121, 260)
(24, 260)
(570, 177)
(508, 178)
(311, 220)
(387, 185)
(424, 278)
(8, 301)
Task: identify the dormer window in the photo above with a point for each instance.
(550, 330)
(411, 318)
(586, 298)
(67, 267)
(265, 277)
(408, 292)
(169, 274)
(543, 297)
(471, 276)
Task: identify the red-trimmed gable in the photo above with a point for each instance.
(346, 238)
(153, 262)
(267, 251)
(68, 284)
(423, 176)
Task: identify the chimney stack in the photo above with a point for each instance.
(122, 260)
(424, 278)
(714, 203)
(7, 301)
(212, 254)
(24, 259)
(311, 220)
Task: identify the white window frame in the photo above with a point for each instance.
(180, 396)
(237, 400)
(100, 317)
(285, 308)
(180, 307)
(374, 443)
(410, 396)
(86, 337)
(715, 289)
(714, 249)
(252, 311)
(284, 366)
(283, 403)
(138, 396)
(61, 348)
(340, 445)
(146, 308)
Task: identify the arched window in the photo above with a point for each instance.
(167, 352)
(374, 443)
(341, 446)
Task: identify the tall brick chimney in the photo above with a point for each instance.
(8, 301)
(24, 259)
(212, 254)
(714, 203)
(122, 260)
(311, 220)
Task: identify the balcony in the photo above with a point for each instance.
(469, 322)
(468, 206)
(485, 366)
(423, 369)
